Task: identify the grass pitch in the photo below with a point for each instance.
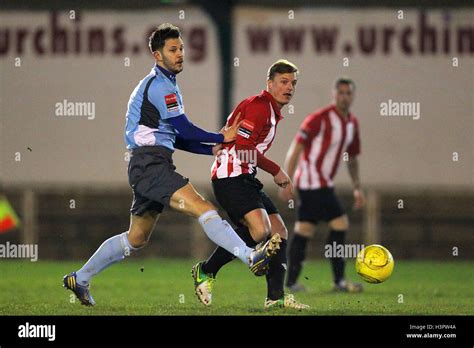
(165, 287)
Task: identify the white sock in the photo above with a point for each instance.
(111, 251)
(221, 233)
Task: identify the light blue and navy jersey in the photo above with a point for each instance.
(153, 102)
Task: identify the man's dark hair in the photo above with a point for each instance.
(281, 66)
(161, 34)
(344, 81)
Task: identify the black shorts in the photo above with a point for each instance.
(317, 205)
(240, 195)
(153, 179)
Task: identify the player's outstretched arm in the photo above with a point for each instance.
(193, 146)
(171, 109)
(188, 131)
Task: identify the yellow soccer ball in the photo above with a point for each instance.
(374, 264)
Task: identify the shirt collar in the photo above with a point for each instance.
(167, 73)
(272, 100)
(342, 117)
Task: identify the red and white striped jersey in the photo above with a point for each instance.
(326, 135)
(260, 115)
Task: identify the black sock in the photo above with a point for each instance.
(296, 256)
(221, 257)
(276, 273)
(337, 263)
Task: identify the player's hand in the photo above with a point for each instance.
(230, 131)
(217, 150)
(359, 199)
(286, 194)
(283, 180)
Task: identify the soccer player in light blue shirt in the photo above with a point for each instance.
(156, 117)
(156, 125)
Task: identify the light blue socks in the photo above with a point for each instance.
(111, 251)
(221, 233)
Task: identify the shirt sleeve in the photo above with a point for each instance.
(188, 131)
(192, 146)
(167, 100)
(254, 119)
(353, 149)
(308, 129)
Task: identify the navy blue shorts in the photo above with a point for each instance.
(153, 179)
(240, 195)
(318, 205)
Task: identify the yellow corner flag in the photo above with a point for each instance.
(8, 218)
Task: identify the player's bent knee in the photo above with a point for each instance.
(340, 223)
(304, 233)
(305, 229)
(139, 234)
(138, 238)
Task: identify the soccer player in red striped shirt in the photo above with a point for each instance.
(324, 137)
(240, 193)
